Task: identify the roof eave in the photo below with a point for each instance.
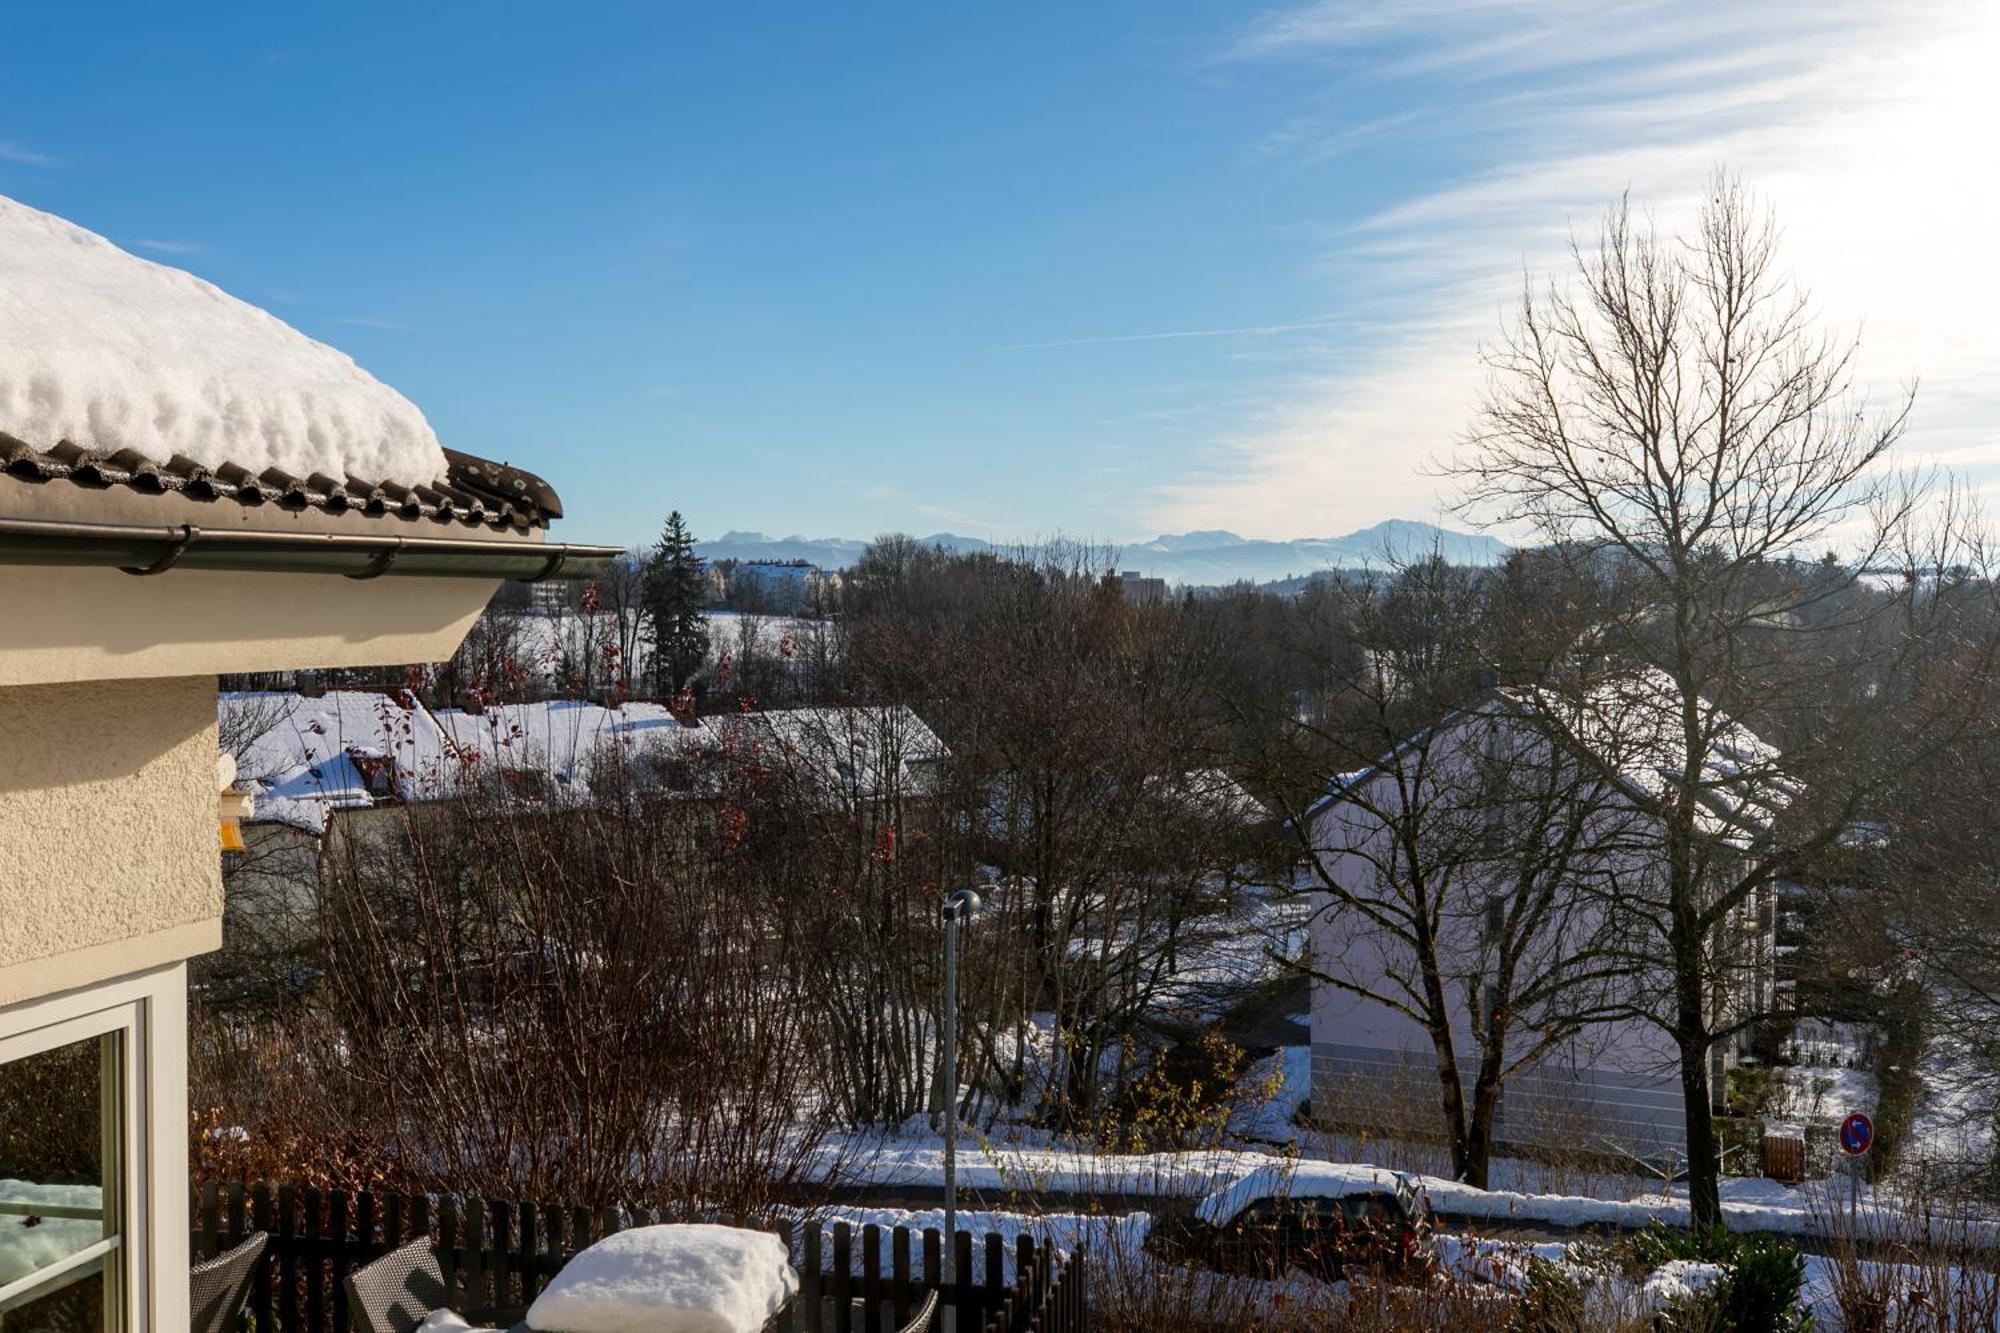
(152, 549)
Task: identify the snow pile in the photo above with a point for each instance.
(109, 351)
(30, 1241)
(1678, 1280)
(450, 1321)
(694, 1278)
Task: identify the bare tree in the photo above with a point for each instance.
(1681, 420)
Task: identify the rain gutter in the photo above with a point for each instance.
(147, 549)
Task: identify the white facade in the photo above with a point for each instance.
(1612, 1088)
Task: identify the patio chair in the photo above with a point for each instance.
(218, 1287)
(923, 1316)
(393, 1294)
(920, 1321)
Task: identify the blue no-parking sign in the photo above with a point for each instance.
(1857, 1133)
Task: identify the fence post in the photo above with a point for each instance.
(899, 1259)
(962, 1305)
(843, 1263)
(260, 1289)
(236, 1228)
(815, 1320)
(871, 1278)
(336, 1264)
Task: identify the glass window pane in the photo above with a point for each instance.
(59, 1141)
(67, 1305)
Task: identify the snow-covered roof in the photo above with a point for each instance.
(1210, 793)
(565, 738)
(1631, 722)
(859, 751)
(315, 755)
(111, 352)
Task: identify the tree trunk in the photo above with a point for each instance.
(1479, 1128)
(1454, 1103)
(1704, 1191)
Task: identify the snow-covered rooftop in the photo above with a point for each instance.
(109, 352)
(858, 752)
(311, 756)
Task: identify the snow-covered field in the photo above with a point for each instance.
(546, 642)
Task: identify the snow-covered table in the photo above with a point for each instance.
(690, 1278)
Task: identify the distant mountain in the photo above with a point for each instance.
(826, 552)
(1191, 558)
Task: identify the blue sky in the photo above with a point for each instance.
(1104, 270)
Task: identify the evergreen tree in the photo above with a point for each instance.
(674, 593)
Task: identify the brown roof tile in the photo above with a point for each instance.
(473, 490)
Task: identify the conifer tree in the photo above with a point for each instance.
(674, 593)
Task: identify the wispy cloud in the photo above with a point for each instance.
(1247, 331)
(168, 247)
(1865, 125)
(24, 157)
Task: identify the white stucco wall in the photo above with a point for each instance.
(1375, 1067)
(109, 861)
(69, 624)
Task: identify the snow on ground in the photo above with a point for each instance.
(109, 351)
(1831, 1076)
(1955, 1123)
(1277, 1085)
(1231, 955)
(29, 1240)
(550, 643)
(916, 1160)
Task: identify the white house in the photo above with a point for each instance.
(1613, 1086)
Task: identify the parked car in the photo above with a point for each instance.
(1332, 1223)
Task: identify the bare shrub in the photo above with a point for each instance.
(531, 996)
(1906, 1264)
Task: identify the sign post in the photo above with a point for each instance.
(1857, 1136)
(957, 910)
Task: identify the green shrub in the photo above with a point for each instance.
(1659, 1245)
(1759, 1290)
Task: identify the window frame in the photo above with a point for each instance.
(147, 1012)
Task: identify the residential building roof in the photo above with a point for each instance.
(1630, 722)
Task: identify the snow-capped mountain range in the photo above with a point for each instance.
(1192, 558)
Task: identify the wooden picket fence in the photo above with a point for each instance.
(498, 1255)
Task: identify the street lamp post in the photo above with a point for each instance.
(957, 910)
